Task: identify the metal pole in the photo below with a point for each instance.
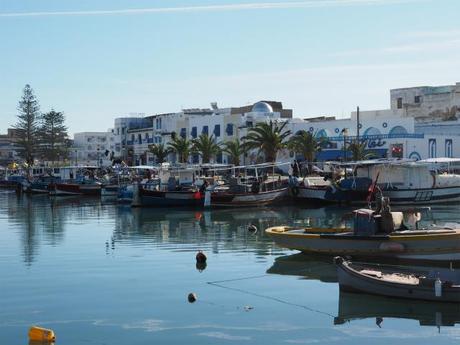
(357, 124)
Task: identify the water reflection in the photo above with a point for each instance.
(43, 219)
(305, 266)
(356, 306)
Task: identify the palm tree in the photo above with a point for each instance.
(234, 149)
(305, 142)
(206, 147)
(268, 138)
(159, 151)
(181, 146)
(358, 150)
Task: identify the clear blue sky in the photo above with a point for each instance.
(96, 60)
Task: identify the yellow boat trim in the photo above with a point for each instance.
(315, 233)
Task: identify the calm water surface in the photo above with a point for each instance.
(100, 273)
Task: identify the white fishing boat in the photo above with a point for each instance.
(403, 181)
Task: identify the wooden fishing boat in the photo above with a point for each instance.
(443, 245)
(438, 285)
(358, 306)
(86, 188)
(42, 185)
(377, 233)
(176, 198)
(249, 199)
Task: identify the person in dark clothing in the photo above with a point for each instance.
(295, 168)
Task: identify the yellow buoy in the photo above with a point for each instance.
(41, 334)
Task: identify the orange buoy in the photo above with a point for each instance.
(41, 334)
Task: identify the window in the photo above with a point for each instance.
(122, 130)
(194, 132)
(205, 130)
(229, 129)
(417, 99)
(448, 148)
(217, 130)
(183, 133)
(399, 103)
(432, 148)
(146, 136)
(132, 137)
(118, 131)
(158, 123)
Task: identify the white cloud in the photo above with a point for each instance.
(228, 7)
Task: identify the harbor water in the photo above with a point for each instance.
(100, 273)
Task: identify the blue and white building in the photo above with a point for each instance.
(422, 122)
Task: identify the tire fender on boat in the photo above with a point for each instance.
(392, 247)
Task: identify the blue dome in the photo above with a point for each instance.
(262, 107)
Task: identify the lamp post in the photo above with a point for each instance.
(344, 134)
(98, 156)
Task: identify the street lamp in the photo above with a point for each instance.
(345, 134)
(97, 156)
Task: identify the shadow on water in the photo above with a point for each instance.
(356, 306)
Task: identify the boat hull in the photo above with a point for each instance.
(352, 280)
(76, 189)
(110, 190)
(170, 199)
(225, 199)
(421, 196)
(429, 246)
(426, 196)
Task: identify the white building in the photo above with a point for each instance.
(135, 134)
(93, 148)
(422, 122)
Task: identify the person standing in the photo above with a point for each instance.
(295, 168)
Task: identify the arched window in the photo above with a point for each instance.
(322, 133)
(372, 131)
(397, 130)
(415, 155)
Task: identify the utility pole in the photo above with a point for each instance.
(357, 124)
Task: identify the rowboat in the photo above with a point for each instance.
(231, 199)
(433, 285)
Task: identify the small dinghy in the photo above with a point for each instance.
(434, 285)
